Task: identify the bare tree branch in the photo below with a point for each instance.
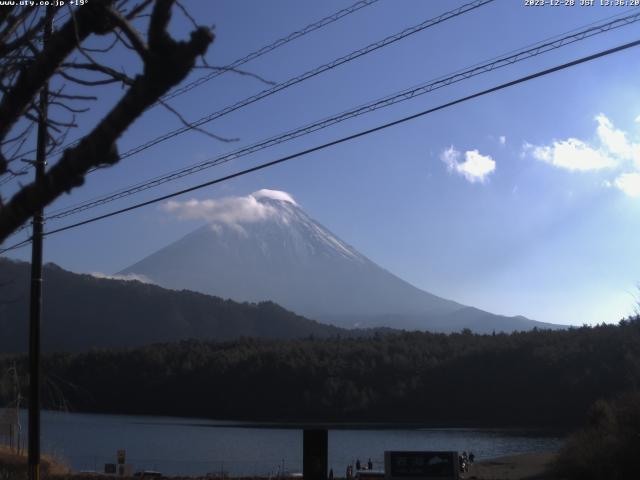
(74, 97)
(68, 108)
(186, 13)
(108, 48)
(187, 124)
(138, 9)
(237, 71)
(89, 19)
(87, 83)
(30, 33)
(166, 64)
(136, 40)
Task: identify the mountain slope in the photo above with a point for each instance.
(265, 247)
(82, 311)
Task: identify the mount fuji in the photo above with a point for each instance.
(265, 247)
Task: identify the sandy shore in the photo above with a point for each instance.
(530, 466)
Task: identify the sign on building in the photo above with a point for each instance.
(120, 469)
(125, 470)
(426, 465)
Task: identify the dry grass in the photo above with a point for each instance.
(13, 465)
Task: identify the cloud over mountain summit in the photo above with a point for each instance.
(264, 246)
(230, 210)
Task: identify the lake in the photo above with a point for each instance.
(185, 446)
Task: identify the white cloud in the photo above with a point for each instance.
(231, 210)
(611, 148)
(629, 183)
(226, 210)
(526, 149)
(130, 277)
(274, 195)
(475, 168)
(572, 154)
(502, 139)
(450, 157)
(614, 140)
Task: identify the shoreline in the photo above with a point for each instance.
(525, 466)
(297, 424)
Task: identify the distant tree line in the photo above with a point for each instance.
(536, 378)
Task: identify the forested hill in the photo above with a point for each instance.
(538, 378)
(82, 312)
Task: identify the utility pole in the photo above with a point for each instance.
(315, 453)
(36, 278)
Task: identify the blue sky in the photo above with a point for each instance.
(526, 201)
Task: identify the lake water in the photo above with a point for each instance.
(184, 446)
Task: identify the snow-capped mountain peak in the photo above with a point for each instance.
(273, 195)
(264, 246)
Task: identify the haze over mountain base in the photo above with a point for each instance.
(266, 247)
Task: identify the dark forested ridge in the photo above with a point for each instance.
(82, 311)
(538, 378)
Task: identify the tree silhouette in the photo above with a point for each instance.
(71, 58)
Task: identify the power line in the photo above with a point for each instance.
(498, 62)
(268, 48)
(230, 67)
(257, 53)
(11, 175)
(15, 246)
(363, 133)
(310, 74)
